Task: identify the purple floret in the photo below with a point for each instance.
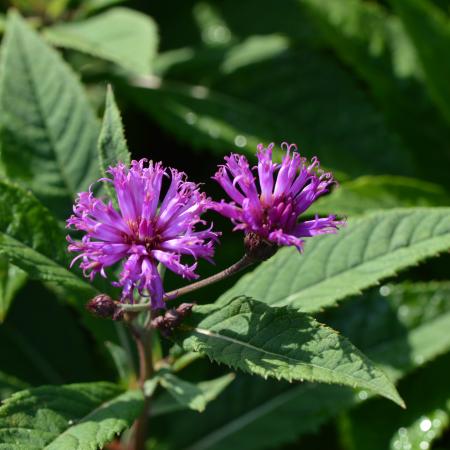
(148, 229)
(272, 209)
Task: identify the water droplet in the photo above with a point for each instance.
(403, 311)
(402, 432)
(397, 445)
(419, 359)
(385, 290)
(425, 424)
(213, 132)
(436, 423)
(70, 422)
(191, 118)
(362, 395)
(240, 140)
(424, 445)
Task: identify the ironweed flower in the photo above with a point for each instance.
(285, 192)
(142, 234)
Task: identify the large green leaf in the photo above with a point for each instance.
(125, 37)
(33, 240)
(400, 327)
(48, 131)
(429, 29)
(377, 48)
(379, 192)
(360, 255)
(280, 343)
(12, 280)
(77, 416)
(241, 108)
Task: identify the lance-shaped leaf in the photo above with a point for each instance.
(32, 239)
(401, 329)
(76, 416)
(281, 343)
(123, 36)
(112, 146)
(336, 266)
(48, 131)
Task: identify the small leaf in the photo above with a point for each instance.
(74, 416)
(181, 394)
(359, 256)
(281, 343)
(123, 36)
(112, 146)
(12, 280)
(48, 131)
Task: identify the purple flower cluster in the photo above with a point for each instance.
(150, 228)
(146, 231)
(285, 192)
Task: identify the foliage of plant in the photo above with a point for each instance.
(266, 303)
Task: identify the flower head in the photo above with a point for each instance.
(272, 209)
(148, 229)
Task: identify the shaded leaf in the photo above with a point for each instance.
(181, 394)
(48, 131)
(12, 280)
(120, 35)
(76, 416)
(280, 343)
(122, 362)
(360, 255)
(10, 384)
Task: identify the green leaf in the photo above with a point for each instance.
(112, 146)
(281, 343)
(74, 416)
(429, 30)
(48, 131)
(33, 240)
(123, 36)
(12, 280)
(122, 362)
(379, 192)
(202, 393)
(357, 257)
(401, 328)
(375, 45)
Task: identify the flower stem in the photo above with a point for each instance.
(243, 263)
(143, 339)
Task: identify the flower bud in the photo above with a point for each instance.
(258, 248)
(104, 306)
(172, 318)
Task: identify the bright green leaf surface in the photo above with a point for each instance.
(76, 417)
(281, 343)
(402, 329)
(357, 257)
(121, 35)
(48, 131)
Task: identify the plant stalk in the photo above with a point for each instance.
(143, 339)
(242, 264)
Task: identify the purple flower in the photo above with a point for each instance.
(285, 192)
(142, 234)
